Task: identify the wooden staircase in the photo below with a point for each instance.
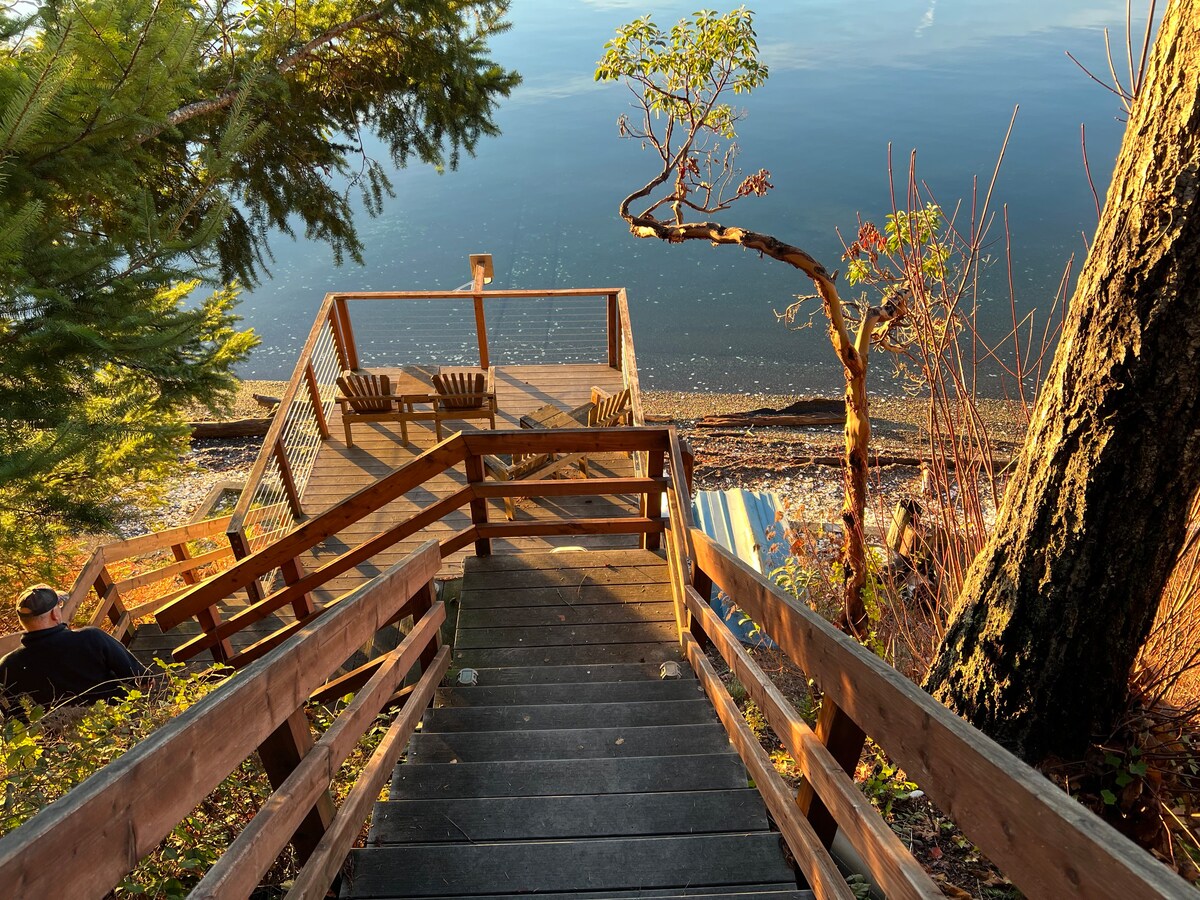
(572, 769)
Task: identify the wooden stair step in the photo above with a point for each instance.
(557, 560)
(586, 692)
(567, 743)
(534, 778)
(581, 593)
(782, 891)
(677, 861)
(568, 715)
(572, 674)
(573, 614)
(589, 655)
(556, 634)
(545, 818)
(566, 578)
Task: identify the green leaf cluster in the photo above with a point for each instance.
(681, 72)
(148, 150)
(60, 748)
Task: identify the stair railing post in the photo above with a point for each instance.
(422, 602)
(479, 510)
(345, 333)
(289, 481)
(314, 391)
(239, 542)
(111, 605)
(656, 465)
(479, 277)
(293, 571)
(280, 753)
(180, 552)
(844, 740)
(614, 333)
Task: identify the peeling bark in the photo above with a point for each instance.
(1056, 606)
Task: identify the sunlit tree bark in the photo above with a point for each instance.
(1054, 609)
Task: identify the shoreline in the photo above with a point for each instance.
(799, 463)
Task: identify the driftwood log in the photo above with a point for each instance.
(232, 428)
(802, 412)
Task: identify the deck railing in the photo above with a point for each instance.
(84, 843)
(465, 450)
(151, 581)
(409, 328)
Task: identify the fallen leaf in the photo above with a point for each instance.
(935, 851)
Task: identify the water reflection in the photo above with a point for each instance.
(846, 80)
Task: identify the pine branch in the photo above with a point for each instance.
(223, 101)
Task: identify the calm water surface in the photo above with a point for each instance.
(937, 76)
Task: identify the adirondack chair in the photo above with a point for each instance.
(464, 394)
(607, 409)
(368, 397)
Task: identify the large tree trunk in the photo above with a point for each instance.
(1056, 606)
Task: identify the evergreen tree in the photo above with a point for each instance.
(148, 148)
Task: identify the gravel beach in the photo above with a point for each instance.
(801, 464)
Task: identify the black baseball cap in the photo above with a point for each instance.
(38, 600)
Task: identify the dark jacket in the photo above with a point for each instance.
(56, 664)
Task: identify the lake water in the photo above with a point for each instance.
(846, 79)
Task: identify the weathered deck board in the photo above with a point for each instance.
(578, 743)
(546, 818)
(571, 769)
(458, 870)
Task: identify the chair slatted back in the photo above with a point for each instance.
(608, 409)
(366, 391)
(461, 390)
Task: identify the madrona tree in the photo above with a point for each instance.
(148, 148)
(1057, 605)
(681, 82)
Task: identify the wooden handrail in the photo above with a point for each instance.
(494, 294)
(122, 812)
(817, 865)
(1000, 803)
(238, 872)
(372, 497)
(163, 540)
(317, 577)
(94, 575)
(893, 869)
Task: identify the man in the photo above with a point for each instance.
(55, 664)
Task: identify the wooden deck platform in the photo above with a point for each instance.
(572, 769)
(340, 470)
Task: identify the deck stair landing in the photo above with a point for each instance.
(571, 769)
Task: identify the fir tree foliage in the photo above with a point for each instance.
(148, 150)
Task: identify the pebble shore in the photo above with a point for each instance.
(799, 464)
